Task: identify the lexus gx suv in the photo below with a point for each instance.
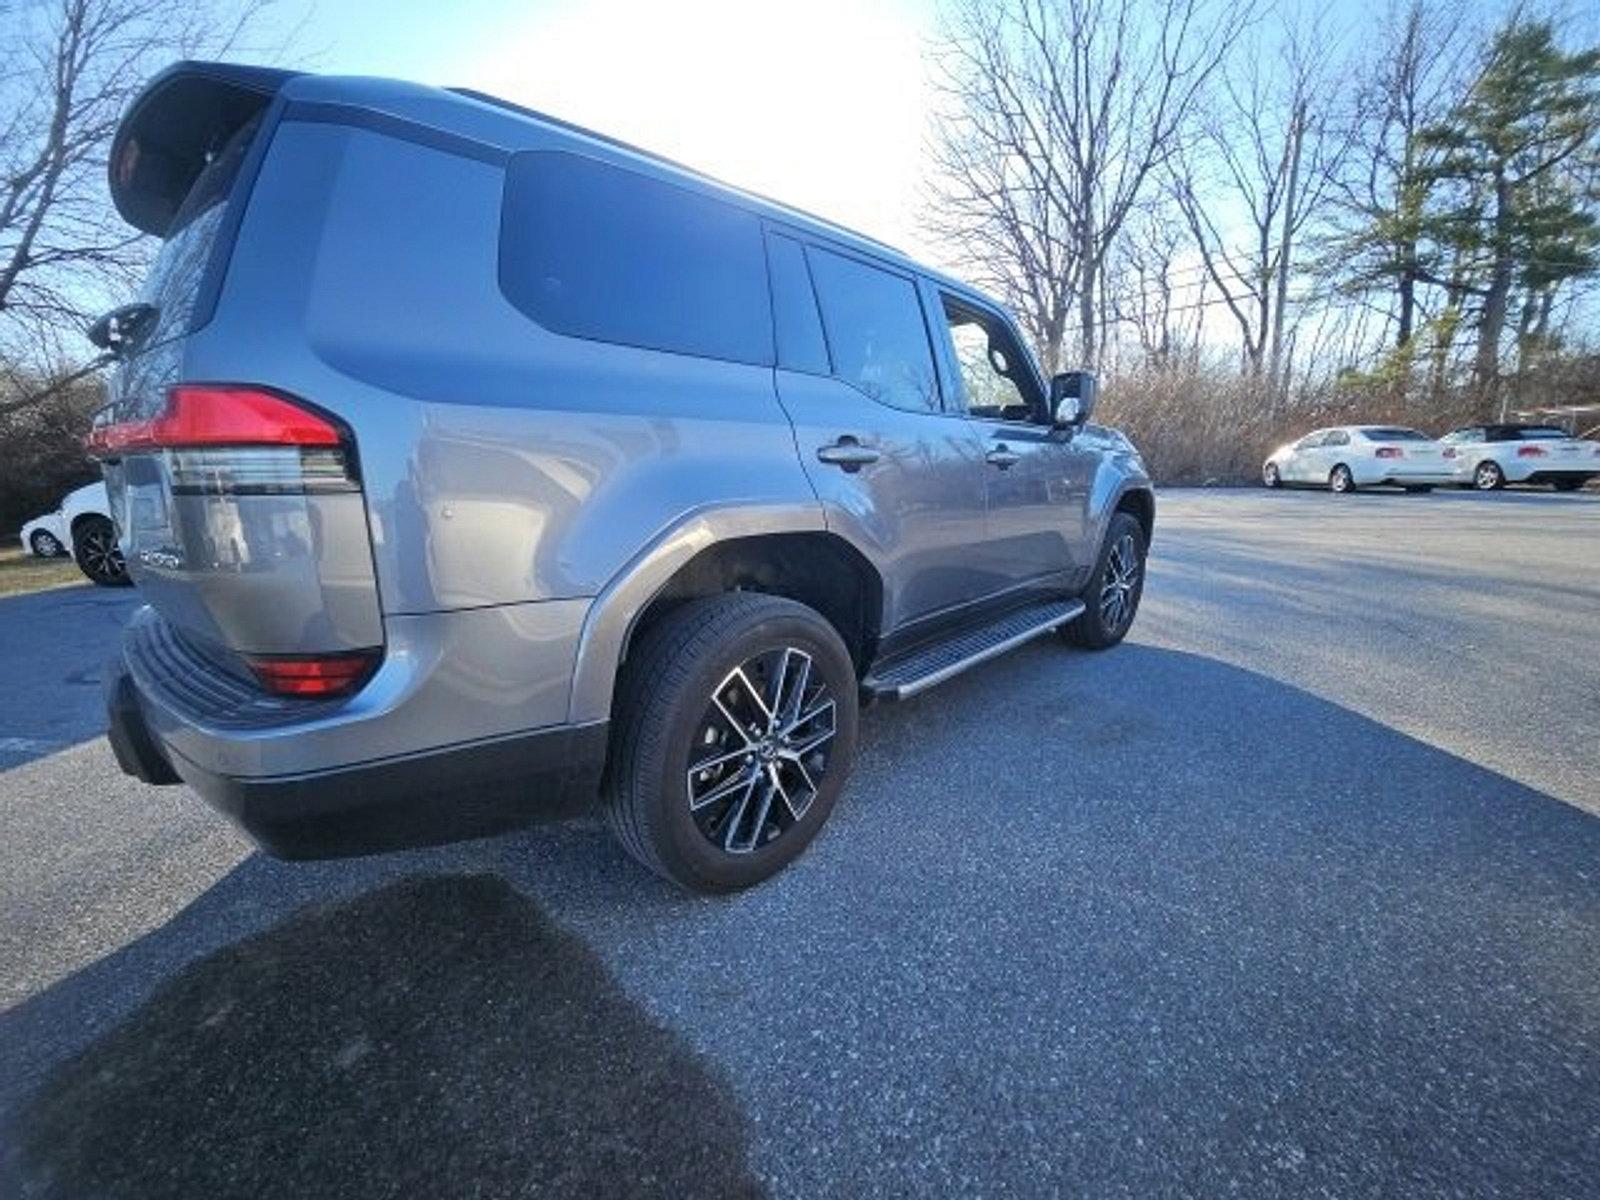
(473, 465)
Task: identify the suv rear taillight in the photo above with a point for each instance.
(236, 440)
(318, 677)
(1531, 452)
(1390, 452)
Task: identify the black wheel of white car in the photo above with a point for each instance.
(1340, 480)
(1270, 476)
(94, 547)
(1112, 598)
(1487, 476)
(734, 729)
(45, 544)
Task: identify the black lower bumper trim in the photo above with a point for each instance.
(447, 795)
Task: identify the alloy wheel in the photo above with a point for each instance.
(1486, 477)
(45, 544)
(1340, 480)
(1269, 475)
(761, 750)
(101, 557)
(1121, 581)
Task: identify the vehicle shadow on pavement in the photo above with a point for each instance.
(437, 1036)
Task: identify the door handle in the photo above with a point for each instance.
(1003, 457)
(848, 453)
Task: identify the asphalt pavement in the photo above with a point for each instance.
(1297, 893)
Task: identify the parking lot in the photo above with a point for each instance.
(1295, 893)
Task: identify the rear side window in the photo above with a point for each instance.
(875, 331)
(596, 251)
(797, 322)
(1543, 433)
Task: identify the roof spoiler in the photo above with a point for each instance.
(173, 128)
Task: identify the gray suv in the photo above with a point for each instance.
(473, 465)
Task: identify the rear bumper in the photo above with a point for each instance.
(435, 793)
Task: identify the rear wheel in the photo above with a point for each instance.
(1487, 476)
(1419, 487)
(94, 547)
(45, 544)
(1340, 480)
(1270, 476)
(1112, 598)
(734, 729)
(1563, 485)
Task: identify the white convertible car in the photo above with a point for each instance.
(1491, 456)
(1347, 457)
(81, 527)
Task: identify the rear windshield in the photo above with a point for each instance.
(1394, 433)
(176, 276)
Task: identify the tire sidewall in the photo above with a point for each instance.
(98, 525)
(677, 837)
(1097, 634)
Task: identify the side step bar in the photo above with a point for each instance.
(917, 672)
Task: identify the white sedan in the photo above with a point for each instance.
(1347, 457)
(1491, 456)
(81, 527)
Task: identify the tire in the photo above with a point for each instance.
(741, 820)
(45, 544)
(1100, 626)
(1560, 485)
(1340, 481)
(1270, 476)
(1419, 488)
(1488, 477)
(94, 548)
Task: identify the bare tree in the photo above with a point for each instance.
(1057, 115)
(1256, 180)
(68, 69)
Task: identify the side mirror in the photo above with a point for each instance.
(1072, 397)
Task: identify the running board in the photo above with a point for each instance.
(918, 672)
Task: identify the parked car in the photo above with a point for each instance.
(1490, 456)
(81, 527)
(558, 470)
(1348, 457)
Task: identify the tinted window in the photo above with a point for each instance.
(1394, 433)
(794, 309)
(596, 251)
(875, 331)
(1543, 433)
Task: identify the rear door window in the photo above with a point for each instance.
(876, 331)
(795, 318)
(596, 251)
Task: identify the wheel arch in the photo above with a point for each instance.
(781, 550)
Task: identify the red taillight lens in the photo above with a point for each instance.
(1390, 452)
(203, 415)
(323, 676)
(1531, 452)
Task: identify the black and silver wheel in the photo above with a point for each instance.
(45, 544)
(734, 728)
(1487, 476)
(1340, 480)
(1270, 476)
(1112, 598)
(1560, 485)
(94, 546)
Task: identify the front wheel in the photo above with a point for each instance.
(1115, 588)
(94, 547)
(733, 732)
(1340, 480)
(1488, 477)
(45, 544)
(1270, 476)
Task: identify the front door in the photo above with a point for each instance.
(1038, 480)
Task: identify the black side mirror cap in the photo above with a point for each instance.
(1073, 395)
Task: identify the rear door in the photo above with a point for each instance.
(897, 475)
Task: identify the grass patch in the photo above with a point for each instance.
(21, 572)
